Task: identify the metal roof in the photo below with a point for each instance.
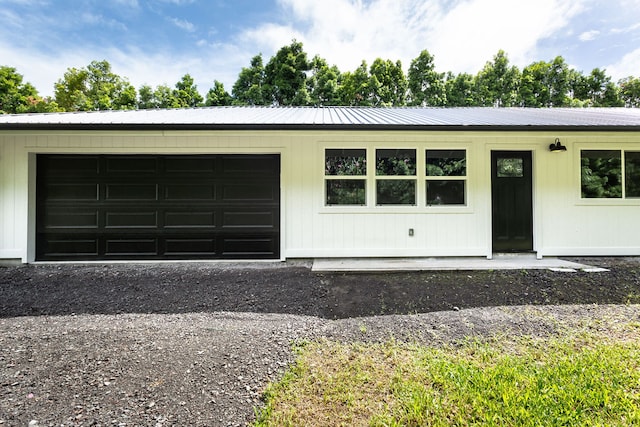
(334, 118)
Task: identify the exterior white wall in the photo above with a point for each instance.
(564, 224)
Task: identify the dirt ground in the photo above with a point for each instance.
(195, 344)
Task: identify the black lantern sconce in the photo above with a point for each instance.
(557, 146)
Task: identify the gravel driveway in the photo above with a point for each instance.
(195, 344)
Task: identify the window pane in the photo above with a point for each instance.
(601, 174)
(446, 163)
(345, 192)
(345, 162)
(395, 162)
(395, 192)
(445, 192)
(632, 172)
(510, 168)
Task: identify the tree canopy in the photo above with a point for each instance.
(290, 78)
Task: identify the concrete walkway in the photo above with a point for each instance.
(499, 262)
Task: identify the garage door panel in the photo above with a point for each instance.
(246, 218)
(174, 219)
(137, 192)
(249, 192)
(71, 165)
(66, 219)
(63, 247)
(249, 246)
(131, 246)
(131, 219)
(157, 207)
(190, 192)
(72, 191)
(143, 165)
(190, 247)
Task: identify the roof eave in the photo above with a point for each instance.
(299, 127)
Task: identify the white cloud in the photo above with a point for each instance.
(627, 66)
(589, 35)
(183, 24)
(462, 35)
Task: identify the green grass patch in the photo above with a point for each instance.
(584, 379)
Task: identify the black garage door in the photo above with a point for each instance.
(101, 207)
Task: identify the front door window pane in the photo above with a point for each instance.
(510, 168)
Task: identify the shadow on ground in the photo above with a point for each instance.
(35, 290)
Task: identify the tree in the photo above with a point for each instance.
(186, 93)
(323, 83)
(354, 89)
(146, 98)
(286, 76)
(388, 84)
(217, 96)
(630, 91)
(95, 87)
(497, 83)
(248, 89)
(596, 89)
(19, 97)
(460, 90)
(426, 86)
(165, 97)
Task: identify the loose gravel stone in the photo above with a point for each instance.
(196, 344)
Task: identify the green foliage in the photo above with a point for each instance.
(337, 164)
(286, 76)
(291, 79)
(444, 163)
(632, 173)
(497, 83)
(601, 174)
(387, 83)
(630, 91)
(186, 94)
(355, 88)
(396, 162)
(95, 87)
(426, 86)
(248, 89)
(395, 192)
(323, 83)
(346, 192)
(586, 379)
(217, 96)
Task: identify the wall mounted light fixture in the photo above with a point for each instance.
(557, 146)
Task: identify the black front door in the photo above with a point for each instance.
(511, 196)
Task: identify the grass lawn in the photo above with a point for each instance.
(589, 376)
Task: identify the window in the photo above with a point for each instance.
(446, 177)
(345, 176)
(601, 174)
(632, 174)
(393, 166)
(396, 177)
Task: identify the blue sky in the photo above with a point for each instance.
(158, 41)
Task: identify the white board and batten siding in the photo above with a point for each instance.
(564, 223)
